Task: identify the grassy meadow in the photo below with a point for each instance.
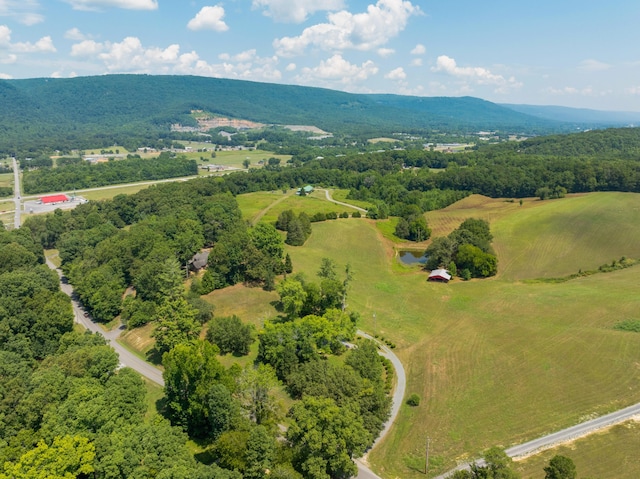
(270, 204)
(497, 361)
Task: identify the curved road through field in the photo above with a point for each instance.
(398, 394)
(329, 198)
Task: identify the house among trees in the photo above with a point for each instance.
(305, 190)
(198, 261)
(441, 275)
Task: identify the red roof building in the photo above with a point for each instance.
(52, 199)
(439, 275)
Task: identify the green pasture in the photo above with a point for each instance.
(496, 362)
(109, 192)
(611, 453)
(252, 204)
(6, 179)
(233, 158)
(273, 203)
(341, 195)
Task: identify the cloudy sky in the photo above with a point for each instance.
(579, 53)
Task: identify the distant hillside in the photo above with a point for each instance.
(46, 110)
(611, 143)
(579, 116)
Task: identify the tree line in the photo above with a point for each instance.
(85, 175)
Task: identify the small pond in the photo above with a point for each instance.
(411, 257)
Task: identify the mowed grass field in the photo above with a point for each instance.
(253, 204)
(496, 361)
(611, 453)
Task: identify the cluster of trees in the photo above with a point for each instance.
(86, 175)
(412, 225)
(67, 409)
(465, 251)
(298, 227)
(146, 241)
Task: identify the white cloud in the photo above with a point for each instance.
(594, 65)
(24, 11)
(9, 59)
(385, 52)
(209, 18)
(5, 36)
(131, 56)
(416, 62)
(87, 48)
(337, 70)
(75, 34)
(361, 31)
(96, 5)
(419, 49)
(296, 11)
(634, 90)
(291, 67)
(396, 74)
(477, 75)
(5, 76)
(45, 44)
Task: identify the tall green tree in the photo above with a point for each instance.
(190, 371)
(325, 438)
(560, 467)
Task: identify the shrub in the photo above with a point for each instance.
(413, 400)
(356, 214)
(344, 214)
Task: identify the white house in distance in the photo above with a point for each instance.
(439, 275)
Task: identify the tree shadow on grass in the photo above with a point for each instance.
(154, 357)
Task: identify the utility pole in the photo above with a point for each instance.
(426, 463)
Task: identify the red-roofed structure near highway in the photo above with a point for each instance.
(53, 199)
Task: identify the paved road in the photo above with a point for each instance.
(127, 358)
(329, 198)
(398, 395)
(571, 433)
(16, 193)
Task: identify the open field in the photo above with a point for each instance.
(341, 195)
(611, 453)
(314, 203)
(252, 204)
(6, 179)
(495, 361)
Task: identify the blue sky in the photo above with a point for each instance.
(564, 52)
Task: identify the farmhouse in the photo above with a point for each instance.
(439, 275)
(53, 199)
(307, 189)
(199, 261)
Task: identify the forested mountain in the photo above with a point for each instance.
(50, 111)
(579, 116)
